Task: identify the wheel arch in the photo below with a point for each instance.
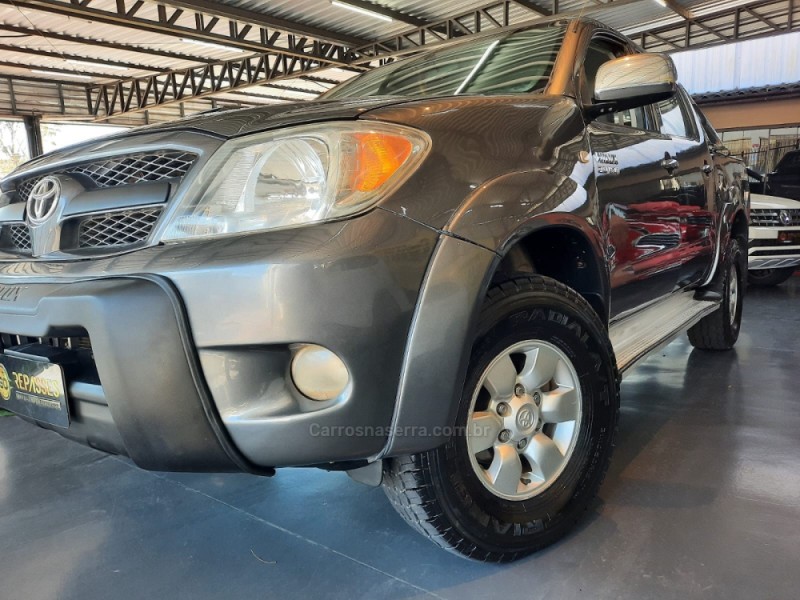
(561, 247)
(453, 292)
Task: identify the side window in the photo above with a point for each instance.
(599, 52)
(676, 120)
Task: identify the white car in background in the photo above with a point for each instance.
(774, 252)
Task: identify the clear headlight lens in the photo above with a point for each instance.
(295, 177)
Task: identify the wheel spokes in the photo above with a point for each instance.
(484, 429)
(505, 471)
(544, 456)
(530, 385)
(539, 369)
(501, 378)
(560, 405)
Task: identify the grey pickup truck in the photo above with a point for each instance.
(433, 278)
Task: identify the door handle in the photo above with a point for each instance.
(670, 164)
(707, 168)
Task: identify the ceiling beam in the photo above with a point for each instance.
(727, 25)
(76, 57)
(258, 19)
(202, 27)
(99, 43)
(492, 17)
(143, 93)
(65, 73)
(689, 16)
(65, 101)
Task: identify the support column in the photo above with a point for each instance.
(34, 131)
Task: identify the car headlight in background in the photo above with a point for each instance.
(295, 177)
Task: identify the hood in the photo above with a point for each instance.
(772, 202)
(242, 121)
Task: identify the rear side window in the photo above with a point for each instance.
(675, 117)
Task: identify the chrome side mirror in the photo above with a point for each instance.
(636, 80)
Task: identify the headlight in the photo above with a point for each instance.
(300, 176)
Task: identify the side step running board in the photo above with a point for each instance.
(652, 328)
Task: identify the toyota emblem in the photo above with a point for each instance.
(786, 218)
(43, 199)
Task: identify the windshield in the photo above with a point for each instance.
(514, 63)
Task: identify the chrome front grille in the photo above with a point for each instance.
(18, 237)
(127, 169)
(769, 217)
(25, 187)
(121, 228)
(101, 230)
(136, 168)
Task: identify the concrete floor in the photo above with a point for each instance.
(702, 501)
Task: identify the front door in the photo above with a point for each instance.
(640, 210)
(688, 161)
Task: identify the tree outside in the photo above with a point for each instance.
(13, 146)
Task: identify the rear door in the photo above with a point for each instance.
(688, 182)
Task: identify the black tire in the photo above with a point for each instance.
(438, 492)
(720, 330)
(770, 277)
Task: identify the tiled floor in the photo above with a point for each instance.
(702, 501)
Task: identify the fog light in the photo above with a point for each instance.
(318, 373)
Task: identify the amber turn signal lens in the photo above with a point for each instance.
(379, 155)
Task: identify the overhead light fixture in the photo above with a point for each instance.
(87, 63)
(62, 73)
(211, 45)
(361, 11)
(662, 3)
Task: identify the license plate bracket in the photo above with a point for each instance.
(33, 386)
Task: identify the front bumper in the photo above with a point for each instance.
(192, 341)
(767, 252)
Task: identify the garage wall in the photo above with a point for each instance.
(763, 113)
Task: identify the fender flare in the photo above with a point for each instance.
(452, 293)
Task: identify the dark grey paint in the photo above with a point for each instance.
(500, 168)
(700, 502)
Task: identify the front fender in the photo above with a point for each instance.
(489, 222)
(439, 345)
(506, 209)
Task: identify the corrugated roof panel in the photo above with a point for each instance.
(751, 63)
(47, 22)
(321, 13)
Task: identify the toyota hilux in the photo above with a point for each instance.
(433, 278)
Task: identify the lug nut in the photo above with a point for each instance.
(504, 436)
(522, 443)
(519, 389)
(537, 398)
(503, 409)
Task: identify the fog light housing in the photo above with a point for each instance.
(318, 373)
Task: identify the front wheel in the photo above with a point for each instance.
(770, 277)
(534, 434)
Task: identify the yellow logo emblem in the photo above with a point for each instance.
(5, 383)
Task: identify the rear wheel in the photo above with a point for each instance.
(536, 425)
(770, 277)
(720, 330)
